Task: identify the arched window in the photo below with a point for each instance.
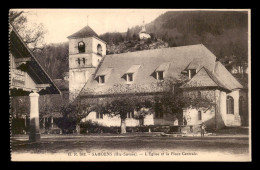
(241, 103)
(81, 47)
(99, 49)
(84, 60)
(230, 105)
(79, 61)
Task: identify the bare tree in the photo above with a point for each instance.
(32, 35)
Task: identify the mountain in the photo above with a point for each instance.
(224, 33)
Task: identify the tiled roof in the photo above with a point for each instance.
(163, 67)
(194, 64)
(220, 77)
(133, 69)
(178, 57)
(204, 78)
(225, 77)
(84, 32)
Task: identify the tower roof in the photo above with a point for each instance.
(84, 32)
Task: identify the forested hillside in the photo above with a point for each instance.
(224, 33)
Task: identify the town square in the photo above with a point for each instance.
(130, 85)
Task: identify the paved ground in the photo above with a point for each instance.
(142, 143)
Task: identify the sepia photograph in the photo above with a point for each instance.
(130, 85)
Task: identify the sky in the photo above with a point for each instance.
(60, 23)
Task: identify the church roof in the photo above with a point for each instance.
(84, 32)
(204, 78)
(173, 61)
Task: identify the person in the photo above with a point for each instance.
(203, 126)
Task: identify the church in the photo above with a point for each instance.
(90, 69)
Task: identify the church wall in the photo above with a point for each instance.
(234, 119)
(207, 116)
(95, 43)
(244, 110)
(77, 79)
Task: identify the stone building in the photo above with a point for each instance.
(144, 69)
(86, 50)
(143, 35)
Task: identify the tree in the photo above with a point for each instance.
(172, 99)
(119, 101)
(32, 34)
(76, 110)
(128, 34)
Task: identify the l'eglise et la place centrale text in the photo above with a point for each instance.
(170, 153)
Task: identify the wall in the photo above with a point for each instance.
(144, 36)
(110, 121)
(166, 120)
(20, 79)
(234, 119)
(244, 115)
(207, 116)
(77, 80)
(214, 116)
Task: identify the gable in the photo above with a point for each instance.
(203, 78)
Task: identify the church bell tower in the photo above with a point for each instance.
(86, 50)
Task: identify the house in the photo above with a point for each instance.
(144, 69)
(28, 79)
(143, 35)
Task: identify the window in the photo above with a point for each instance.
(99, 115)
(101, 79)
(84, 60)
(99, 49)
(192, 72)
(129, 77)
(78, 61)
(81, 47)
(159, 75)
(199, 115)
(230, 105)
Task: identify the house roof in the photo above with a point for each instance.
(20, 50)
(84, 32)
(144, 80)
